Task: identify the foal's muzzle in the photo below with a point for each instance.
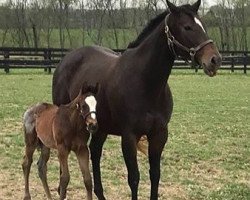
(92, 127)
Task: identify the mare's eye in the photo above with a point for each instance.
(187, 28)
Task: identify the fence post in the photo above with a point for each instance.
(47, 58)
(245, 63)
(196, 69)
(232, 64)
(6, 57)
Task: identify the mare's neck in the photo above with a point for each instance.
(158, 59)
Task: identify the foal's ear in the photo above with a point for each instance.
(196, 5)
(172, 7)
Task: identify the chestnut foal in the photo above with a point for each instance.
(64, 128)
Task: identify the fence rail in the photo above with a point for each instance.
(48, 58)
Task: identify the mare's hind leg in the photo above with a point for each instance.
(63, 154)
(129, 150)
(30, 147)
(157, 141)
(96, 145)
(83, 159)
(42, 169)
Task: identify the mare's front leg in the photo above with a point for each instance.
(96, 145)
(157, 140)
(63, 154)
(129, 150)
(83, 159)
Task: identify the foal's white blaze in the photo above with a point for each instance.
(91, 102)
(197, 21)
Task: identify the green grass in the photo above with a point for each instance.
(108, 38)
(207, 155)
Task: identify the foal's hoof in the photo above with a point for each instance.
(58, 190)
(27, 198)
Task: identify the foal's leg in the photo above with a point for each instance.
(63, 154)
(96, 145)
(58, 189)
(157, 141)
(129, 150)
(42, 169)
(27, 161)
(83, 159)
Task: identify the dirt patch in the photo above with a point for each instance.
(12, 187)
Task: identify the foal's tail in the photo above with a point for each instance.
(142, 145)
(29, 121)
(29, 117)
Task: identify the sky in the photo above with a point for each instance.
(209, 2)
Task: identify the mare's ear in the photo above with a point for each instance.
(172, 7)
(84, 88)
(97, 88)
(196, 5)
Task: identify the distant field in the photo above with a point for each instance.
(207, 156)
(107, 38)
(124, 36)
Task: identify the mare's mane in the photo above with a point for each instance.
(153, 23)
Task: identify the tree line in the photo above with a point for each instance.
(112, 23)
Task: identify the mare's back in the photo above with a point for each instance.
(91, 64)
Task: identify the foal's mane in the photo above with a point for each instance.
(153, 23)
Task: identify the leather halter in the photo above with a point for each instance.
(191, 51)
(82, 113)
(88, 113)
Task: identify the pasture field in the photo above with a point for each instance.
(207, 156)
(80, 38)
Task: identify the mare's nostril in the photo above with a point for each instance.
(216, 60)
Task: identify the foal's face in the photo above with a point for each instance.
(88, 111)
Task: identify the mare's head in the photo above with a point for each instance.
(187, 37)
(86, 104)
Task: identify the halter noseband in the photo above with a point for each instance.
(191, 51)
(87, 114)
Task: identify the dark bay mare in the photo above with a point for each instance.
(135, 98)
(65, 128)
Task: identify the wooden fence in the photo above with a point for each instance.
(48, 58)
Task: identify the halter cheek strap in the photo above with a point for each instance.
(82, 113)
(191, 51)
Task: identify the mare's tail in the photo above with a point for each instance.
(142, 145)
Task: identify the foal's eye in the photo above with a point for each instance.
(187, 28)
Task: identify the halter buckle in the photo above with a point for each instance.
(166, 29)
(192, 52)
